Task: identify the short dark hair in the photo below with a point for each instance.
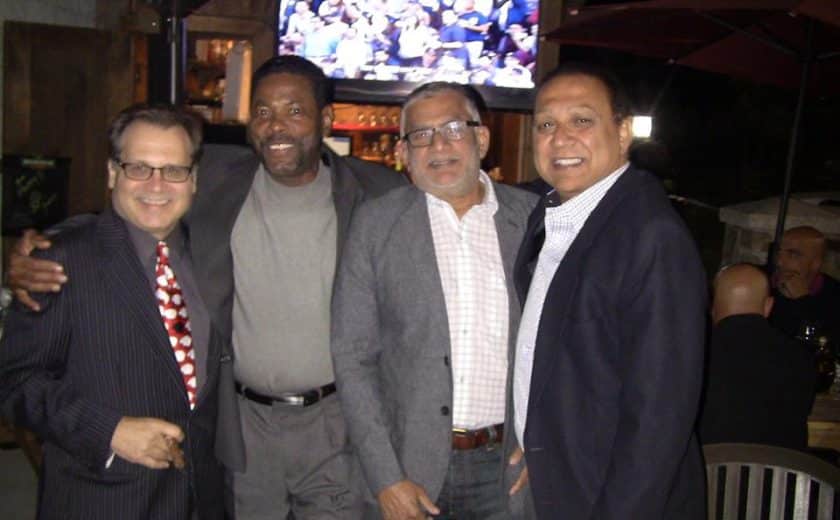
(322, 86)
(162, 115)
(475, 103)
(619, 98)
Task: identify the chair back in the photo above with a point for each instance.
(753, 481)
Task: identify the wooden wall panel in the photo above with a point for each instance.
(62, 87)
(505, 143)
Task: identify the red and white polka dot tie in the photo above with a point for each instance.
(176, 320)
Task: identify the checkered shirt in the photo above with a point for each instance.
(474, 288)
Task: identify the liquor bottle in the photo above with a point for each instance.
(823, 356)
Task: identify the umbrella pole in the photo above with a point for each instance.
(791, 155)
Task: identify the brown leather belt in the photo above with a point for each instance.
(471, 439)
(302, 399)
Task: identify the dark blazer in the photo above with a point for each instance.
(618, 363)
(96, 353)
(390, 337)
(225, 176)
(760, 385)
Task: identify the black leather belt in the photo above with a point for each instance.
(306, 398)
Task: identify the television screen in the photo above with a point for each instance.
(378, 50)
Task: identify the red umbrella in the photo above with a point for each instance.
(788, 43)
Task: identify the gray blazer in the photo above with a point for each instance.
(390, 336)
(224, 179)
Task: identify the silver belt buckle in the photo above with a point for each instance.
(296, 400)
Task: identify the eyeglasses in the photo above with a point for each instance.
(144, 172)
(451, 131)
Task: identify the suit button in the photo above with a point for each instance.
(446, 360)
(444, 410)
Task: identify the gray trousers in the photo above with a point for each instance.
(298, 464)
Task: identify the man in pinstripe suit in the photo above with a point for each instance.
(94, 373)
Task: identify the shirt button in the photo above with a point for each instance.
(444, 410)
(446, 360)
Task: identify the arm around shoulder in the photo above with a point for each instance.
(31, 275)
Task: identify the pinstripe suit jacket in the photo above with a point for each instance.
(96, 353)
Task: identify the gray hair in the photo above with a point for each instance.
(472, 99)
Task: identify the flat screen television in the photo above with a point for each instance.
(377, 51)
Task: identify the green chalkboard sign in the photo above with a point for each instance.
(34, 192)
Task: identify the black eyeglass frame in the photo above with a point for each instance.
(151, 169)
(438, 130)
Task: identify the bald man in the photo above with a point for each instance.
(741, 289)
(760, 383)
(803, 294)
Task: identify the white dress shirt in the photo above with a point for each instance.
(470, 265)
(562, 225)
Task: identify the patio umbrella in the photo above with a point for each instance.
(789, 43)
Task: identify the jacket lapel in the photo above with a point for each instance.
(346, 196)
(510, 231)
(526, 259)
(563, 289)
(510, 228)
(226, 199)
(415, 246)
(214, 352)
(124, 274)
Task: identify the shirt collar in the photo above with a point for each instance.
(489, 203)
(146, 245)
(323, 170)
(577, 209)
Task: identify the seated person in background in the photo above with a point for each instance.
(760, 384)
(803, 294)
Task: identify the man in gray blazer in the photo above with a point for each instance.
(423, 311)
(265, 232)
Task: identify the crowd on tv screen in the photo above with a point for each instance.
(482, 42)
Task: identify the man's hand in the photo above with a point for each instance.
(522, 479)
(792, 285)
(29, 274)
(405, 500)
(148, 441)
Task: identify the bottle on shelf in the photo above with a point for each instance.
(824, 357)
